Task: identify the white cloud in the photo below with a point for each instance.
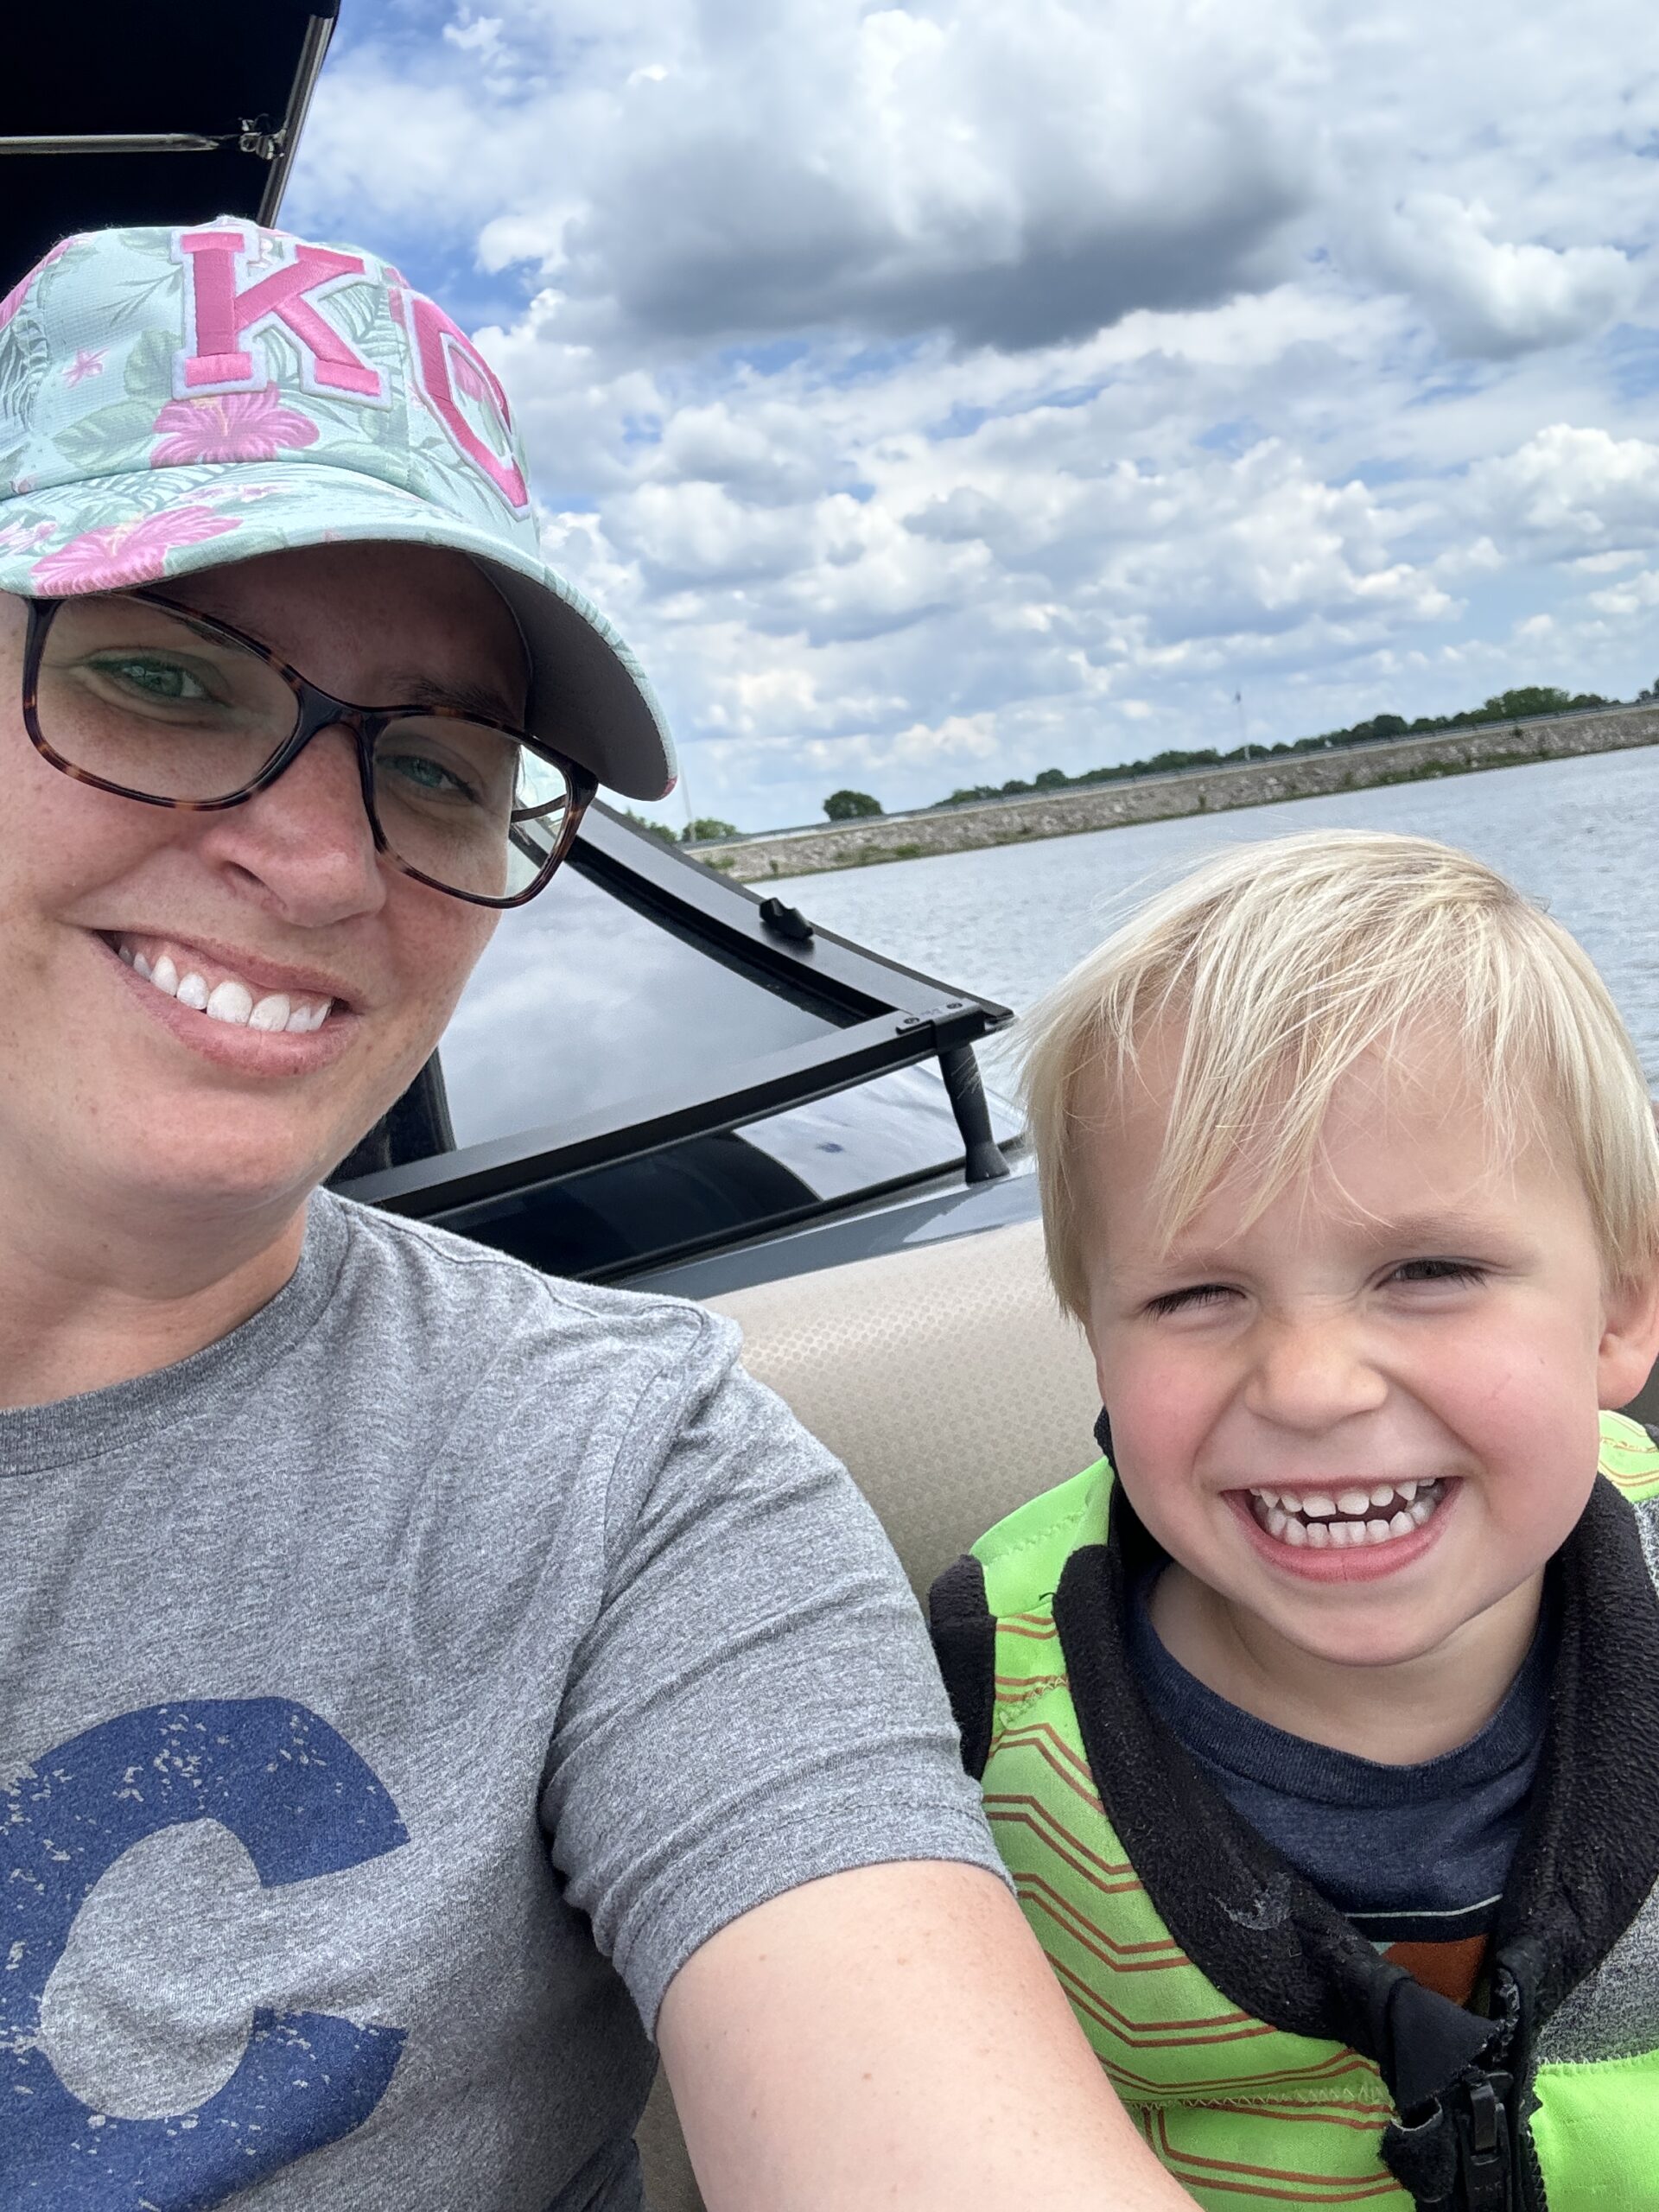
(1491, 296)
(1570, 491)
(936, 392)
(1639, 596)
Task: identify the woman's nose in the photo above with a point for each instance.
(1309, 1372)
(307, 839)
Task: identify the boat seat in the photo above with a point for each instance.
(952, 1386)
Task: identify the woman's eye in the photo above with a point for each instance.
(1181, 1301)
(428, 776)
(154, 678)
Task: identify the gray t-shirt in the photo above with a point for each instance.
(392, 1697)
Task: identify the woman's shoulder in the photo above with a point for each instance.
(427, 1307)
(423, 1268)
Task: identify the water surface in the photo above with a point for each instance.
(1582, 835)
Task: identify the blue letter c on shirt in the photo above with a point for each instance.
(302, 1803)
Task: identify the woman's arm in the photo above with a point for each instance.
(893, 2036)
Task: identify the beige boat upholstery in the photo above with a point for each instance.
(949, 1382)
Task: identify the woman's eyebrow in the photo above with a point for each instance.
(471, 697)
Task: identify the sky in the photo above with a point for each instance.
(936, 394)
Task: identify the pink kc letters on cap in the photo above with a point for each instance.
(174, 400)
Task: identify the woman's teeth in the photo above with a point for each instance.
(1319, 1519)
(230, 998)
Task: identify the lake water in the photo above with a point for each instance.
(1582, 835)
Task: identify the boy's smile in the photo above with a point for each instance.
(1381, 1525)
(1361, 1422)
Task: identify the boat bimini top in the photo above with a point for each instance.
(168, 113)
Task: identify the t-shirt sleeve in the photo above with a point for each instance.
(756, 1704)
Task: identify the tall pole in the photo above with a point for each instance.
(685, 789)
(1239, 700)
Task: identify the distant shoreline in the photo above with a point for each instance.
(874, 839)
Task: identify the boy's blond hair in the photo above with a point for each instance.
(1274, 968)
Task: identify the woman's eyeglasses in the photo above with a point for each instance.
(137, 697)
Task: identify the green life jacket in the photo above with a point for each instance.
(1269, 2054)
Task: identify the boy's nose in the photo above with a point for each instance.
(1310, 1373)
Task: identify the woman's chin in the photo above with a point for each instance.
(228, 1167)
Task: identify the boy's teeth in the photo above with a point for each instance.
(1354, 1516)
(230, 999)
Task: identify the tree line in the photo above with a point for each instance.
(1507, 707)
(1526, 701)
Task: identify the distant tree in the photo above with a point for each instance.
(850, 806)
(705, 829)
(652, 829)
(1529, 699)
(1050, 779)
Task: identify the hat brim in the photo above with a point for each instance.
(588, 698)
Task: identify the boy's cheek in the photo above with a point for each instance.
(1154, 1400)
(1160, 1415)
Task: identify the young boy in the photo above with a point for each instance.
(1317, 1720)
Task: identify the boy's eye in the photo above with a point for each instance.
(1198, 1293)
(1452, 1271)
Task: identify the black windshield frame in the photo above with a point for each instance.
(880, 1015)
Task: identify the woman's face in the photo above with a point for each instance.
(117, 1097)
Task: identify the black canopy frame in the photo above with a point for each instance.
(140, 111)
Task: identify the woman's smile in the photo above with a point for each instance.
(209, 1005)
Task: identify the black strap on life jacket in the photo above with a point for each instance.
(964, 1642)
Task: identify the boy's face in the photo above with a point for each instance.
(1418, 1318)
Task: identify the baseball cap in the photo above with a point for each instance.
(172, 400)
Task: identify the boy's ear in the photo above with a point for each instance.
(1630, 1340)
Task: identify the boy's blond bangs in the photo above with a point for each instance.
(1270, 972)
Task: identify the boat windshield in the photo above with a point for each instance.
(602, 1005)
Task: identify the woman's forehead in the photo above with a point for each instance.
(423, 620)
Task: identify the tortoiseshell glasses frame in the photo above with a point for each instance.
(315, 710)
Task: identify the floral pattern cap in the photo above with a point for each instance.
(171, 400)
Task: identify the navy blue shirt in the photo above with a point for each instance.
(1410, 1854)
